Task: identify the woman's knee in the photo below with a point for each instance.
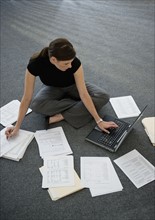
(35, 105)
(105, 97)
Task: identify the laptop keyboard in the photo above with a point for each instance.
(109, 139)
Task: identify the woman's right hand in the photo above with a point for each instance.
(11, 131)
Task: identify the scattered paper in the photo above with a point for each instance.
(125, 107)
(9, 113)
(98, 174)
(139, 170)
(52, 142)
(58, 171)
(14, 145)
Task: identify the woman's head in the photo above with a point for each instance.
(61, 49)
(60, 53)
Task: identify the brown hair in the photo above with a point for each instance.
(60, 48)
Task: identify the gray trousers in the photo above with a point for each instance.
(53, 100)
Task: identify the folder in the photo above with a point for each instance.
(60, 192)
(149, 126)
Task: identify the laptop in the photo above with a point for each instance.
(113, 140)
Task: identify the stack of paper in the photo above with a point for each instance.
(125, 106)
(99, 175)
(52, 142)
(9, 113)
(149, 125)
(60, 177)
(15, 147)
(139, 170)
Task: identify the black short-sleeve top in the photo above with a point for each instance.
(50, 75)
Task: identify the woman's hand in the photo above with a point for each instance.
(105, 125)
(11, 131)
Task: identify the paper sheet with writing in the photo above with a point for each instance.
(98, 174)
(9, 113)
(7, 145)
(58, 171)
(125, 107)
(52, 142)
(139, 170)
(18, 151)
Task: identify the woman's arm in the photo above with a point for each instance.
(25, 102)
(86, 99)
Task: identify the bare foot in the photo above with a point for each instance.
(56, 118)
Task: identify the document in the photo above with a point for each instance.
(139, 170)
(125, 107)
(60, 192)
(52, 142)
(58, 171)
(99, 175)
(94, 170)
(14, 144)
(9, 113)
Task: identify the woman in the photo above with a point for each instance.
(65, 95)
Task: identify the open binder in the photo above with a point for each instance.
(149, 126)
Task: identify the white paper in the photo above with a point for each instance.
(9, 144)
(9, 113)
(125, 107)
(94, 170)
(139, 170)
(58, 171)
(52, 142)
(99, 175)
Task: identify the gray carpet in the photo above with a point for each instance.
(115, 41)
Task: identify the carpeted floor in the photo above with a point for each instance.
(115, 42)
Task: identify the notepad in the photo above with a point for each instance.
(15, 147)
(18, 151)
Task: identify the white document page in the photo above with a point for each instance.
(139, 170)
(99, 175)
(114, 184)
(9, 144)
(94, 170)
(52, 142)
(125, 107)
(58, 171)
(9, 113)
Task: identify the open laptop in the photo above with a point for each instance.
(113, 140)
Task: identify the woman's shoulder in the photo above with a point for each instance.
(76, 62)
(37, 60)
(35, 65)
